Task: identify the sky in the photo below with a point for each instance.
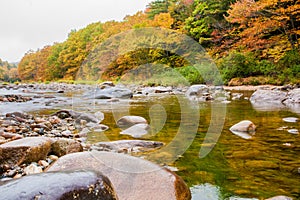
(31, 24)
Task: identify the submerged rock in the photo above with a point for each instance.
(291, 119)
(31, 149)
(137, 130)
(127, 146)
(133, 178)
(87, 185)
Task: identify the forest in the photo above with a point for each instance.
(251, 41)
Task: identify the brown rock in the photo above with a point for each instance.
(133, 178)
(64, 146)
(31, 149)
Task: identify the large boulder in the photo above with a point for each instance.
(128, 121)
(30, 149)
(268, 99)
(112, 92)
(84, 185)
(126, 146)
(63, 146)
(293, 100)
(133, 178)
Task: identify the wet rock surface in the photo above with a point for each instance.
(244, 129)
(128, 121)
(133, 178)
(86, 185)
(127, 146)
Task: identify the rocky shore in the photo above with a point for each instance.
(43, 147)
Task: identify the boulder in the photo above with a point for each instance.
(112, 92)
(64, 146)
(137, 130)
(30, 149)
(86, 185)
(243, 129)
(293, 97)
(127, 146)
(128, 121)
(268, 99)
(196, 90)
(133, 178)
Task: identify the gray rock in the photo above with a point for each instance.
(137, 130)
(128, 121)
(87, 185)
(127, 146)
(293, 131)
(268, 99)
(196, 90)
(133, 178)
(64, 146)
(293, 96)
(112, 92)
(31, 149)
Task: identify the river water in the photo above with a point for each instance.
(266, 165)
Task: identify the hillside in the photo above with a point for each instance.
(252, 42)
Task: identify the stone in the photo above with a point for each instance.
(112, 92)
(64, 146)
(128, 121)
(31, 149)
(32, 169)
(132, 177)
(244, 129)
(43, 163)
(268, 99)
(280, 198)
(293, 96)
(127, 146)
(293, 131)
(291, 119)
(196, 90)
(137, 130)
(86, 185)
(53, 157)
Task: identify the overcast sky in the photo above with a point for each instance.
(32, 24)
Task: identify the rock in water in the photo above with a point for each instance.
(112, 92)
(84, 185)
(127, 146)
(290, 119)
(31, 149)
(133, 178)
(127, 121)
(137, 131)
(268, 99)
(243, 129)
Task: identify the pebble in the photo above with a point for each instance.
(43, 163)
(53, 157)
(293, 131)
(32, 169)
(290, 119)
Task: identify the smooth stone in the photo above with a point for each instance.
(280, 198)
(127, 146)
(244, 126)
(132, 177)
(30, 149)
(293, 131)
(291, 119)
(137, 130)
(266, 100)
(112, 92)
(64, 146)
(196, 90)
(128, 121)
(32, 169)
(86, 185)
(293, 97)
